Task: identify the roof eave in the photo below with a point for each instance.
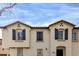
(62, 21)
(15, 23)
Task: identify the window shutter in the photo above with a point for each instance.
(24, 34)
(41, 36)
(66, 34)
(13, 34)
(56, 34)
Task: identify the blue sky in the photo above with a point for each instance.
(40, 14)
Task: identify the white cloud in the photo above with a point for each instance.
(64, 12)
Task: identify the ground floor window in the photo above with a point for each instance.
(39, 52)
(19, 51)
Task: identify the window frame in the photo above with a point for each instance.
(63, 31)
(74, 36)
(60, 34)
(17, 37)
(38, 35)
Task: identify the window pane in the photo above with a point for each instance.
(74, 35)
(60, 34)
(39, 36)
(19, 35)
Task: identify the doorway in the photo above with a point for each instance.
(60, 51)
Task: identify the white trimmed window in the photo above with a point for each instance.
(61, 34)
(74, 36)
(19, 35)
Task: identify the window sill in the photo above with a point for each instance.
(39, 41)
(61, 40)
(19, 40)
(74, 40)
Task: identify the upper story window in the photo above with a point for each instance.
(74, 36)
(39, 36)
(18, 34)
(61, 34)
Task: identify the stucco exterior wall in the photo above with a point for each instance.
(40, 45)
(65, 43)
(49, 44)
(75, 44)
(34, 45)
(75, 49)
(7, 37)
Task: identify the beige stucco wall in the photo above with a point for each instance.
(7, 37)
(75, 49)
(48, 44)
(75, 44)
(40, 45)
(34, 45)
(29, 42)
(66, 43)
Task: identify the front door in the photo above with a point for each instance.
(59, 52)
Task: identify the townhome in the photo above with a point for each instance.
(58, 39)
